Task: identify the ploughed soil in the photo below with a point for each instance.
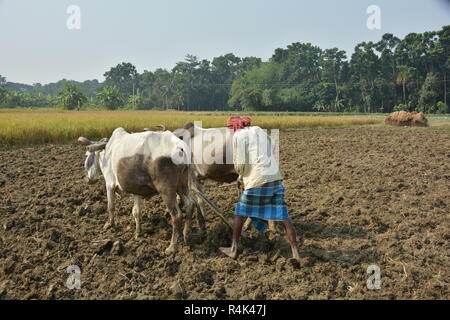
(357, 197)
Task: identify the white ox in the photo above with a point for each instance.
(143, 164)
(212, 158)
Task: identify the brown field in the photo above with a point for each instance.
(357, 197)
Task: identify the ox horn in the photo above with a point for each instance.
(84, 141)
(96, 147)
(163, 127)
(146, 129)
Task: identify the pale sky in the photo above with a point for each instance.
(37, 46)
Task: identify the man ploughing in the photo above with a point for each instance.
(259, 174)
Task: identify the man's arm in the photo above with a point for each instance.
(240, 147)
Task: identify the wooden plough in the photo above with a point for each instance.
(213, 206)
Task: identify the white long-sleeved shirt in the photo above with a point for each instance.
(254, 157)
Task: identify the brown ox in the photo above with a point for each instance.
(212, 158)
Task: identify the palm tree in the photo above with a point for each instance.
(405, 73)
(110, 97)
(337, 104)
(71, 97)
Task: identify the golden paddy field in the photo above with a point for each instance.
(27, 127)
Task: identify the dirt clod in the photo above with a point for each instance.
(103, 246)
(117, 248)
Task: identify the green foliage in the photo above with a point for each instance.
(251, 91)
(70, 97)
(13, 99)
(88, 87)
(124, 77)
(378, 76)
(401, 107)
(429, 94)
(442, 107)
(268, 98)
(353, 109)
(110, 98)
(136, 102)
(403, 76)
(3, 92)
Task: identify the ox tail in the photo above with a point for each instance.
(190, 176)
(185, 160)
(190, 172)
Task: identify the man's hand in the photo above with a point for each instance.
(240, 186)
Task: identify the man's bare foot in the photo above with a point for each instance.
(229, 252)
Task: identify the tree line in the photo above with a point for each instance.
(392, 74)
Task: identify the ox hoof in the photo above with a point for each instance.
(186, 239)
(137, 235)
(202, 228)
(170, 250)
(228, 252)
(202, 225)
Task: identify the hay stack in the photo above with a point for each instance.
(403, 118)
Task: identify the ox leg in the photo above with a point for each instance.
(176, 219)
(111, 207)
(188, 209)
(200, 204)
(137, 215)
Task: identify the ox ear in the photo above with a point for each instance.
(96, 147)
(84, 141)
(190, 128)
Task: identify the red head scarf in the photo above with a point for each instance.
(237, 123)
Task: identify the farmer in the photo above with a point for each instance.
(263, 195)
